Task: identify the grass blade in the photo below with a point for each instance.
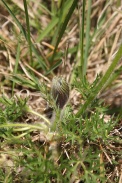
(81, 43)
(28, 28)
(25, 35)
(16, 64)
(63, 28)
(54, 67)
(87, 38)
(15, 19)
(82, 35)
(102, 82)
(47, 30)
(65, 6)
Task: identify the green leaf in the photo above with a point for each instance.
(101, 84)
(54, 67)
(48, 29)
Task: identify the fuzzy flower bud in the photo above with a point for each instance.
(60, 91)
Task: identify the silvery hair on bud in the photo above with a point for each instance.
(60, 91)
